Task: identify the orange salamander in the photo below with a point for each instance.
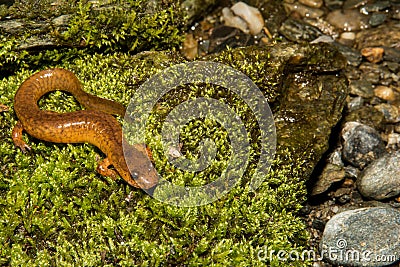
(95, 125)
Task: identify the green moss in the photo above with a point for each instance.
(56, 210)
(86, 27)
(130, 26)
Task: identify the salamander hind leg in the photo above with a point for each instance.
(103, 169)
(17, 137)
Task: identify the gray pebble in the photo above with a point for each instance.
(318, 224)
(352, 55)
(381, 179)
(390, 112)
(375, 7)
(361, 88)
(296, 30)
(355, 103)
(361, 144)
(377, 19)
(362, 237)
(333, 4)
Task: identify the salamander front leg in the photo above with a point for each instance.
(17, 137)
(103, 169)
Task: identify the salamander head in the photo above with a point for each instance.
(142, 172)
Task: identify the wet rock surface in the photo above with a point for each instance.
(301, 109)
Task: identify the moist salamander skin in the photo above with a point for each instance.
(95, 125)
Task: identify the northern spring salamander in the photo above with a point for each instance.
(95, 125)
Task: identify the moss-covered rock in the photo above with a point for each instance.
(38, 32)
(56, 210)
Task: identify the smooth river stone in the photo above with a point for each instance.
(362, 237)
(381, 179)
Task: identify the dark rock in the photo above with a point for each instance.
(330, 174)
(225, 36)
(387, 35)
(381, 179)
(392, 54)
(375, 73)
(393, 66)
(11, 26)
(375, 7)
(300, 98)
(318, 224)
(298, 31)
(396, 11)
(361, 144)
(352, 55)
(361, 88)
(333, 4)
(357, 197)
(377, 19)
(305, 210)
(273, 13)
(361, 237)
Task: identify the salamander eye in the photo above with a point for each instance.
(135, 175)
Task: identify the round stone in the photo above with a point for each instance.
(361, 144)
(385, 93)
(362, 237)
(381, 179)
